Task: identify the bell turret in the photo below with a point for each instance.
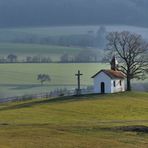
(114, 64)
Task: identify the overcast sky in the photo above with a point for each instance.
(73, 12)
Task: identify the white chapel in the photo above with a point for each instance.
(109, 80)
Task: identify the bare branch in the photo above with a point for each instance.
(131, 48)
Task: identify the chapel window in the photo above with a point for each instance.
(120, 82)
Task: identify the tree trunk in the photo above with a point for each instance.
(128, 84)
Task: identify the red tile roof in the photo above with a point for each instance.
(112, 74)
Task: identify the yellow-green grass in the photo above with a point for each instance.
(60, 73)
(21, 79)
(75, 122)
(18, 79)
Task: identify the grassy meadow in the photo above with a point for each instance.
(20, 79)
(75, 122)
(22, 50)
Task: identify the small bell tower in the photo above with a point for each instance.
(114, 64)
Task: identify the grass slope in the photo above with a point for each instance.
(75, 122)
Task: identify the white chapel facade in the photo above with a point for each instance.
(109, 80)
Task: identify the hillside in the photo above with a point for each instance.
(35, 33)
(22, 50)
(27, 41)
(68, 122)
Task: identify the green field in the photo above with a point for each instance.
(75, 122)
(22, 50)
(20, 79)
(32, 48)
(8, 45)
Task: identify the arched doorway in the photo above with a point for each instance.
(102, 87)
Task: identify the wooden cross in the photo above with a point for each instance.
(78, 79)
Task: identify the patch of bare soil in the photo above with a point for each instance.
(134, 128)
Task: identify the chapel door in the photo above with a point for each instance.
(102, 87)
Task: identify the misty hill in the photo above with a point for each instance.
(72, 12)
(65, 36)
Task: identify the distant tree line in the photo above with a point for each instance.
(86, 55)
(89, 39)
(65, 58)
(38, 59)
(83, 56)
(13, 58)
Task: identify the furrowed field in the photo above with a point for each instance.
(20, 79)
(90, 121)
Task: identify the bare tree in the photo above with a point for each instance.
(132, 50)
(43, 77)
(12, 58)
